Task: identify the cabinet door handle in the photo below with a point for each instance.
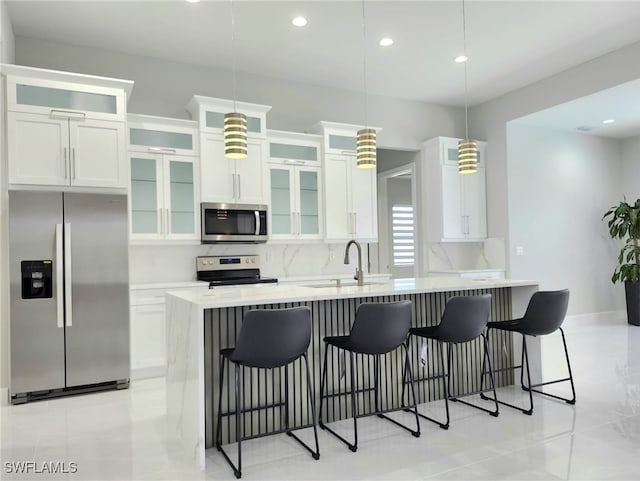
(66, 164)
(468, 229)
(162, 149)
(355, 224)
(239, 190)
(161, 221)
(73, 163)
(67, 114)
(299, 224)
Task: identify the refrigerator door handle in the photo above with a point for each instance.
(59, 278)
(67, 274)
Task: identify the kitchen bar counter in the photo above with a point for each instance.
(201, 322)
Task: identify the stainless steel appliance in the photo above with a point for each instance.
(69, 293)
(233, 223)
(231, 270)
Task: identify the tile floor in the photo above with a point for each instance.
(122, 435)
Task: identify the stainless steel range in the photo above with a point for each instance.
(231, 270)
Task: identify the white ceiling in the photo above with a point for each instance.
(510, 43)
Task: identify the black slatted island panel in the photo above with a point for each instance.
(264, 387)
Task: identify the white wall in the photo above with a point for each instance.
(164, 88)
(631, 168)
(6, 56)
(560, 184)
(488, 121)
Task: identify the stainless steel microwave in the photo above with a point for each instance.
(221, 222)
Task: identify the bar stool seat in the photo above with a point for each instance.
(268, 339)
(378, 328)
(544, 315)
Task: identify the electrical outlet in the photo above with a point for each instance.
(519, 250)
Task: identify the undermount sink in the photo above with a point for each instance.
(345, 284)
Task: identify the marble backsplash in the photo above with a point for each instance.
(490, 254)
(176, 263)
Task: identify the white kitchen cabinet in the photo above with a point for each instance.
(232, 180)
(65, 130)
(148, 327)
(295, 205)
(350, 200)
(456, 207)
(69, 151)
(164, 201)
(163, 197)
(350, 193)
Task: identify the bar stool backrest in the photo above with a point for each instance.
(273, 337)
(545, 313)
(380, 327)
(464, 318)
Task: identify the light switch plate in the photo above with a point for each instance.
(519, 250)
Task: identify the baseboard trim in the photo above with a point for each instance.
(4, 396)
(595, 318)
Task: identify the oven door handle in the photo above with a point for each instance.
(257, 214)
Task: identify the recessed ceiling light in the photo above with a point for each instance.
(608, 121)
(299, 21)
(386, 41)
(461, 59)
(193, 1)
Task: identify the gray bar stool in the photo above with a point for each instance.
(379, 328)
(545, 313)
(269, 338)
(464, 319)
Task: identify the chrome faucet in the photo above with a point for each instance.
(359, 274)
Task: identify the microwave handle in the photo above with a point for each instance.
(257, 214)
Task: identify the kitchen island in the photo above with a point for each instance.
(200, 323)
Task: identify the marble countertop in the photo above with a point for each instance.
(460, 271)
(230, 296)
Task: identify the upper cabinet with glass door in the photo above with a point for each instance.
(234, 181)
(163, 158)
(79, 124)
(209, 112)
(295, 186)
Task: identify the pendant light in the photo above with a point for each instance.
(235, 123)
(366, 139)
(467, 148)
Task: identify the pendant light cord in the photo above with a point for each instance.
(233, 55)
(364, 62)
(464, 51)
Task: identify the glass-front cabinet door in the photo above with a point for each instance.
(146, 187)
(295, 203)
(282, 202)
(308, 193)
(180, 201)
(162, 198)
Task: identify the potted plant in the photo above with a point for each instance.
(624, 223)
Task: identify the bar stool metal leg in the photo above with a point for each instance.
(219, 423)
(571, 400)
(352, 446)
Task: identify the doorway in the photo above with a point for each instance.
(398, 252)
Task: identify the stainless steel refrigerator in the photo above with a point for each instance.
(69, 276)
